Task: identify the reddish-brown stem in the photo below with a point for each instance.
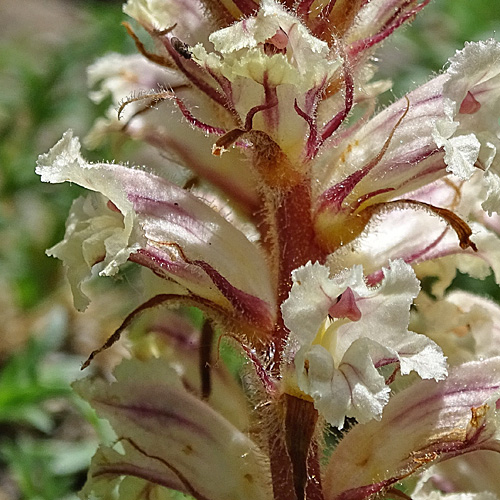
(293, 454)
(296, 245)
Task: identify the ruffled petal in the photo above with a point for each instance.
(309, 63)
(272, 64)
(95, 235)
(167, 229)
(470, 132)
(337, 358)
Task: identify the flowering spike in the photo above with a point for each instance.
(303, 247)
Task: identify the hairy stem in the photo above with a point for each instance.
(295, 246)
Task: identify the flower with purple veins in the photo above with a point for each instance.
(312, 272)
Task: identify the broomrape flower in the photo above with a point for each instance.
(312, 270)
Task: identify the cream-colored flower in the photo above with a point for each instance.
(346, 330)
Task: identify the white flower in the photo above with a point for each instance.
(470, 133)
(345, 330)
(163, 227)
(171, 438)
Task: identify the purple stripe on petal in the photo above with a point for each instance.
(150, 417)
(252, 308)
(165, 267)
(169, 212)
(427, 423)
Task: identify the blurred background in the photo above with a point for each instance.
(47, 435)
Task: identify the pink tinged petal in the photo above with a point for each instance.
(345, 307)
(162, 216)
(384, 320)
(254, 309)
(402, 15)
(376, 16)
(202, 279)
(423, 424)
(279, 40)
(470, 105)
(165, 266)
(410, 160)
(171, 437)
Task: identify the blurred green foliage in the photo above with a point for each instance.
(45, 445)
(47, 93)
